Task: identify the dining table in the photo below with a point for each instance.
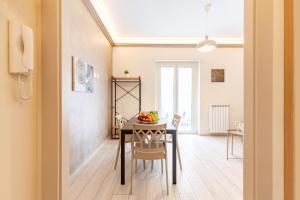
(128, 129)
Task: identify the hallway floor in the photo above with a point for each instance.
(206, 174)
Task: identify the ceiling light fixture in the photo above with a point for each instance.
(207, 45)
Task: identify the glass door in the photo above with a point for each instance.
(184, 98)
(167, 92)
(177, 93)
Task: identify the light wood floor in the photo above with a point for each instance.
(206, 174)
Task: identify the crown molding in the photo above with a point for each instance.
(98, 20)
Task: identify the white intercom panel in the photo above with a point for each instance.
(20, 48)
(21, 55)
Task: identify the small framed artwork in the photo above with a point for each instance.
(217, 75)
(82, 76)
(90, 76)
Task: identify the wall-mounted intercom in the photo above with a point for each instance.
(21, 55)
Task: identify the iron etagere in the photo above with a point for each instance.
(116, 84)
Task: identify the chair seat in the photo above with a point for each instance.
(149, 152)
(151, 146)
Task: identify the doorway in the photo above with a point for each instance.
(249, 112)
(177, 92)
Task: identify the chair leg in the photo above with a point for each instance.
(117, 156)
(136, 165)
(162, 166)
(131, 179)
(227, 146)
(232, 144)
(167, 181)
(144, 163)
(152, 163)
(179, 157)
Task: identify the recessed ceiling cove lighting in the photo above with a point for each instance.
(103, 13)
(124, 34)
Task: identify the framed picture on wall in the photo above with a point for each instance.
(217, 75)
(90, 76)
(82, 76)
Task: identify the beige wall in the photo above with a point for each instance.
(297, 95)
(141, 62)
(18, 119)
(85, 117)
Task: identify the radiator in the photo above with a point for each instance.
(218, 118)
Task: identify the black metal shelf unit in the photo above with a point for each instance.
(116, 84)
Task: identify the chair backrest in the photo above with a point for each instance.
(120, 121)
(176, 120)
(240, 126)
(149, 136)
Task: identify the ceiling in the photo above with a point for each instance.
(171, 21)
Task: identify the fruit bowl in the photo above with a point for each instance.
(148, 117)
(145, 122)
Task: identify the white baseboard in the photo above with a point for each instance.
(83, 166)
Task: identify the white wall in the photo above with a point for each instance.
(141, 61)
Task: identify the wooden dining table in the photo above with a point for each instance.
(127, 129)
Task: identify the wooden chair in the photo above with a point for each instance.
(175, 123)
(151, 145)
(238, 131)
(120, 123)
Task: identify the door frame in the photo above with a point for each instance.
(55, 174)
(259, 61)
(289, 132)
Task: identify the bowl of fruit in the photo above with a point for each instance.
(148, 117)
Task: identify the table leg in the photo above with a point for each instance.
(174, 142)
(122, 158)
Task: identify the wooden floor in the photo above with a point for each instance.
(206, 174)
